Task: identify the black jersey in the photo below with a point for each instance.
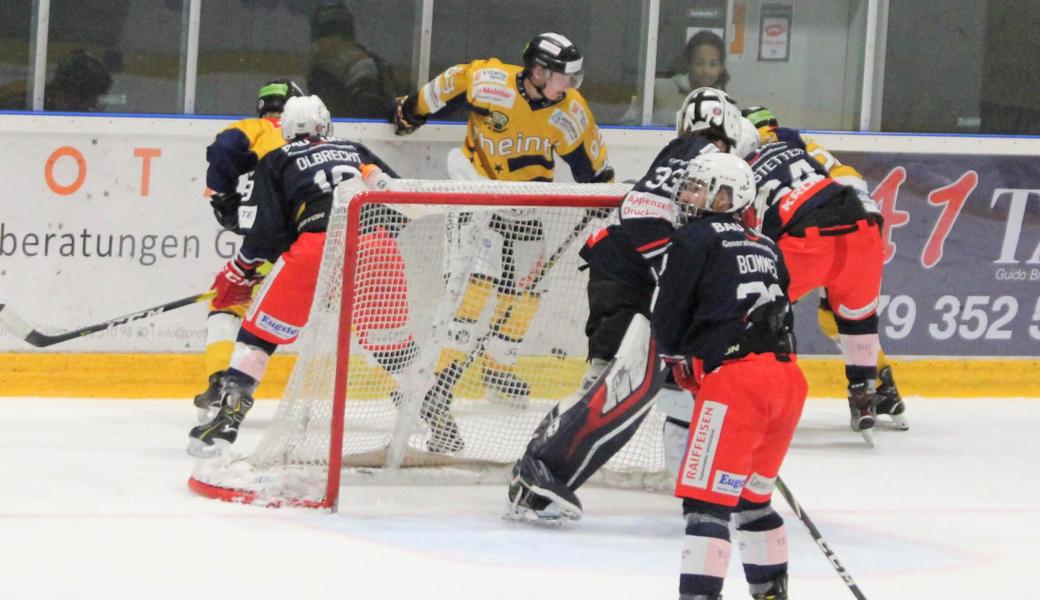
(722, 294)
(630, 251)
(795, 191)
(293, 190)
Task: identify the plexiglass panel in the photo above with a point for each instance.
(801, 59)
(355, 55)
(15, 54)
(115, 56)
(973, 67)
(606, 31)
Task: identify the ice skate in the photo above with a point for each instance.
(537, 496)
(861, 408)
(208, 402)
(445, 436)
(236, 398)
(777, 589)
(890, 403)
(506, 389)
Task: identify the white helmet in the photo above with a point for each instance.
(748, 140)
(712, 173)
(305, 115)
(711, 111)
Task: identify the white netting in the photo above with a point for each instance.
(467, 325)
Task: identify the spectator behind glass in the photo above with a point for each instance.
(353, 81)
(79, 81)
(704, 59)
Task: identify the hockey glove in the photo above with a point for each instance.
(405, 119)
(686, 374)
(234, 284)
(225, 209)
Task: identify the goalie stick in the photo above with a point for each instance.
(818, 538)
(16, 326)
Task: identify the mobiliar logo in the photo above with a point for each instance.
(65, 156)
(952, 198)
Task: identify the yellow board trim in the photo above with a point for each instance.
(184, 375)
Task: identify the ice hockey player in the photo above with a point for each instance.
(830, 235)
(890, 402)
(293, 194)
(232, 157)
(520, 117)
(576, 438)
(722, 319)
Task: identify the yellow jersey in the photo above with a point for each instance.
(508, 135)
(238, 148)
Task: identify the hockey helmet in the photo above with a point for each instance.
(555, 53)
(274, 94)
(305, 116)
(709, 112)
(764, 122)
(698, 192)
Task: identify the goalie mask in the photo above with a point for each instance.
(711, 113)
(714, 183)
(305, 116)
(557, 54)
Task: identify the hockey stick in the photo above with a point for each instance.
(818, 538)
(16, 326)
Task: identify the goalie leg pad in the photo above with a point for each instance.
(612, 306)
(576, 443)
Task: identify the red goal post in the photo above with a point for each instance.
(448, 318)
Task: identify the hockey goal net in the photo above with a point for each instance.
(448, 319)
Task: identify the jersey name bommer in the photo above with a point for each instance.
(756, 263)
(324, 156)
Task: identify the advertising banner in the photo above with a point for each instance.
(962, 254)
(101, 217)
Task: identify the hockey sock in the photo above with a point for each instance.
(860, 355)
(763, 544)
(250, 360)
(221, 329)
(706, 549)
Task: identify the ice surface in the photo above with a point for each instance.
(93, 500)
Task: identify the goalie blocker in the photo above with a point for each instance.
(572, 443)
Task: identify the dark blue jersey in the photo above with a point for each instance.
(795, 192)
(630, 251)
(293, 190)
(722, 293)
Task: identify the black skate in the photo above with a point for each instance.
(236, 398)
(506, 388)
(777, 589)
(536, 495)
(445, 436)
(862, 400)
(208, 402)
(890, 402)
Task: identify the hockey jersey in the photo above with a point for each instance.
(629, 251)
(238, 148)
(293, 190)
(795, 192)
(722, 293)
(508, 135)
